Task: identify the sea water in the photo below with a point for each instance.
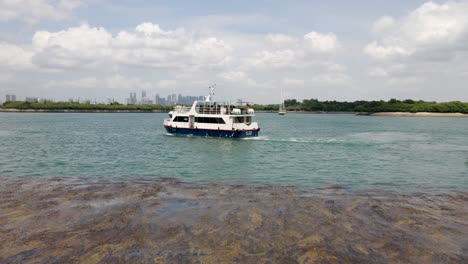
(306, 150)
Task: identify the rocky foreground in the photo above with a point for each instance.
(68, 220)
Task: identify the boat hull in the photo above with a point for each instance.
(211, 132)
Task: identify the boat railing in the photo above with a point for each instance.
(214, 110)
(211, 110)
(181, 109)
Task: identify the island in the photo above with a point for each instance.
(392, 107)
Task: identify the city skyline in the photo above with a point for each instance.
(349, 51)
(170, 99)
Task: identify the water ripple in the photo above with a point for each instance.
(301, 150)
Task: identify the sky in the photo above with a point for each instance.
(260, 51)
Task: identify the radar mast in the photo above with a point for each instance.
(210, 95)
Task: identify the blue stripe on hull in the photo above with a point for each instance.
(211, 133)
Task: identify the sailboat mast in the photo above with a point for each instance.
(282, 108)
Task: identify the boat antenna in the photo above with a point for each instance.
(212, 88)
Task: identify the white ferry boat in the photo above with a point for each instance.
(212, 119)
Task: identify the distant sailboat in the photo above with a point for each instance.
(282, 108)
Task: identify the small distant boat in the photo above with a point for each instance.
(282, 109)
(212, 119)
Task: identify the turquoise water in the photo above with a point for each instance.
(356, 152)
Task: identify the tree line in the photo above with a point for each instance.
(308, 105)
(393, 105)
(57, 106)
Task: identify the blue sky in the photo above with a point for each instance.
(331, 50)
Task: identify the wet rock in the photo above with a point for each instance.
(69, 220)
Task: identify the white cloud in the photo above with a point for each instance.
(237, 78)
(380, 52)
(126, 83)
(378, 72)
(383, 24)
(148, 45)
(115, 82)
(234, 76)
(223, 22)
(281, 40)
(149, 29)
(74, 39)
(321, 43)
(433, 23)
(275, 59)
(440, 29)
(333, 79)
(5, 76)
(15, 57)
(419, 50)
(208, 52)
(288, 52)
(425, 48)
(86, 82)
(420, 55)
(177, 59)
(76, 47)
(33, 10)
(293, 82)
(166, 83)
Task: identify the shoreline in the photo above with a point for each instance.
(12, 110)
(77, 111)
(398, 114)
(419, 114)
(164, 220)
(315, 113)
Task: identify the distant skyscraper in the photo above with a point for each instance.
(132, 100)
(145, 100)
(171, 99)
(10, 97)
(159, 100)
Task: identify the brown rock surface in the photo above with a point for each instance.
(69, 220)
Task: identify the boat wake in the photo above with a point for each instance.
(294, 140)
(388, 137)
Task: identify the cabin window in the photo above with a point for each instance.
(181, 119)
(209, 120)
